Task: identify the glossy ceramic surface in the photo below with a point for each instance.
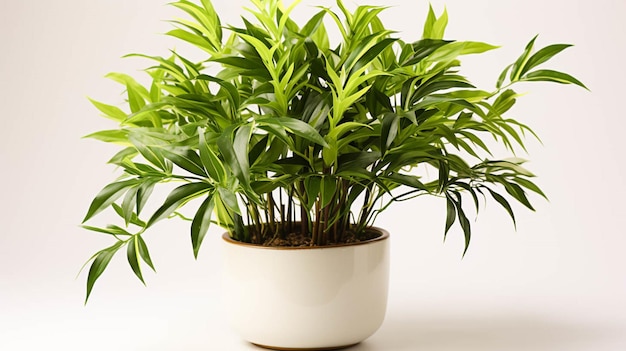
(306, 298)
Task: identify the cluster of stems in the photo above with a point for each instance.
(321, 219)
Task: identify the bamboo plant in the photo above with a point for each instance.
(296, 134)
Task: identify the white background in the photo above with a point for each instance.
(557, 283)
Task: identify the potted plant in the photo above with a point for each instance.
(294, 144)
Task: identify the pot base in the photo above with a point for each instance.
(304, 349)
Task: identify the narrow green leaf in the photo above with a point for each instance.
(530, 186)
(388, 131)
(110, 231)
(450, 214)
(312, 185)
(210, 161)
(143, 251)
(231, 90)
(229, 199)
(408, 180)
(504, 102)
(177, 198)
(132, 254)
(143, 193)
(502, 76)
(200, 224)
(439, 27)
(296, 127)
(129, 203)
(313, 24)
(422, 49)
(187, 160)
(475, 47)
(429, 23)
(518, 66)
(191, 38)
(99, 264)
(518, 193)
(465, 224)
(327, 191)
(547, 75)
(107, 196)
(372, 53)
(117, 136)
(133, 219)
(543, 55)
(225, 144)
(240, 149)
(151, 154)
(112, 112)
(505, 204)
(125, 154)
(135, 100)
(127, 80)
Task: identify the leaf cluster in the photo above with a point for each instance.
(295, 134)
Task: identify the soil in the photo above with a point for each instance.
(299, 240)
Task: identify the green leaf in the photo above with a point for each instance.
(112, 112)
(143, 251)
(504, 102)
(191, 38)
(439, 27)
(231, 90)
(465, 223)
(505, 204)
(99, 264)
(502, 76)
(530, 186)
(125, 154)
(450, 214)
(128, 204)
(132, 253)
(518, 66)
(475, 47)
(107, 196)
(518, 193)
(467, 229)
(408, 180)
(240, 149)
(429, 23)
(547, 75)
(151, 154)
(117, 136)
(225, 146)
(313, 24)
(297, 127)
(110, 231)
(389, 131)
(372, 53)
(229, 199)
(177, 198)
(200, 224)
(133, 219)
(423, 48)
(210, 161)
(327, 191)
(312, 186)
(143, 193)
(187, 160)
(543, 55)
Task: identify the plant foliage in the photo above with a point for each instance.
(295, 134)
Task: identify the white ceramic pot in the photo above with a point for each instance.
(306, 298)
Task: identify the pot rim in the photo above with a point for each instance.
(384, 235)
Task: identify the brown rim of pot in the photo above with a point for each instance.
(383, 236)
